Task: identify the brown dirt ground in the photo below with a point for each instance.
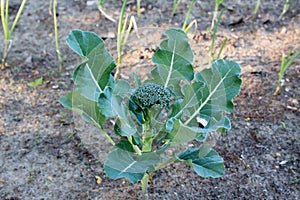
(47, 153)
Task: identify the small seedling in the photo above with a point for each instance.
(286, 61)
(35, 83)
(283, 125)
(174, 107)
(6, 31)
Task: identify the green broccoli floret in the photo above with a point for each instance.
(151, 94)
(146, 96)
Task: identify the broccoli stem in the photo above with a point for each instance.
(135, 147)
(147, 137)
(145, 185)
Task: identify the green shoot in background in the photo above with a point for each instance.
(217, 4)
(6, 31)
(186, 28)
(100, 8)
(211, 50)
(123, 36)
(138, 7)
(55, 24)
(285, 8)
(175, 5)
(286, 61)
(255, 11)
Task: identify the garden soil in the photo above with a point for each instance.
(47, 152)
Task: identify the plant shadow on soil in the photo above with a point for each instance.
(46, 152)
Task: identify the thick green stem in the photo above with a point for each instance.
(144, 182)
(135, 147)
(108, 137)
(161, 165)
(147, 137)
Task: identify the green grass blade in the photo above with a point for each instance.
(256, 7)
(17, 18)
(211, 53)
(175, 5)
(188, 15)
(59, 57)
(6, 11)
(222, 47)
(290, 61)
(120, 29)
(4, 21)
(286, 61)
(285, 8)
(194, 22)
(138, 5)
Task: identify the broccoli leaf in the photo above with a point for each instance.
(86, 83)
(221, 84)
(123, 163)
(93, 74)
(174, 60)
(178, 133)
(111, 105)
(86, 108)
(204, 160)
(111, 98)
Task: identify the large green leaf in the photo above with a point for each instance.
(123, 163)
(221, 84)
(174, 60)
(93, 74)
(86, 108)
(204, 160)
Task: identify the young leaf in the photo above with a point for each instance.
(173, 59)
(97, 63)
(35, 83)
(111, 98)
(122, 163)
(179, 133)
(110, 105)
(204, 160)
(87, 109)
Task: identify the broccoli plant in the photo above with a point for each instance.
(174, 107)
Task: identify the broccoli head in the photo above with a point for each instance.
(150, 94)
